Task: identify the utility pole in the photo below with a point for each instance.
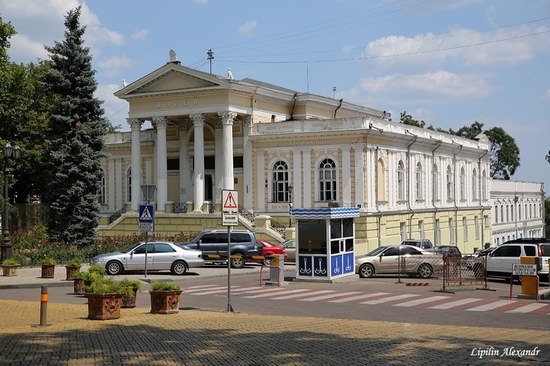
(210, 57)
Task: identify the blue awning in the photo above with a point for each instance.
(324, 213)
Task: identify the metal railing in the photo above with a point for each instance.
(277, 226)
(461, 272)
(117, 214)
(249, 215)
(179, 207)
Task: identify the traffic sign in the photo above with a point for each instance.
(230, 199)
(524, 270)
(230, 218)
(146, 218)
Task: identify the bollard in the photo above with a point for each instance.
(44, 305)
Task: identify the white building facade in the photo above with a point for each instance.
(518, 210)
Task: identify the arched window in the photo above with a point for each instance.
(327, 180)
(400, 181)
(462, 184)
(450, 185)
(436, 183)
(474, 185)
(102, 188)
(419, 181)
(484, 185)
(129, 185)
(280, 182)
(381, 181)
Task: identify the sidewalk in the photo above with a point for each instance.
(215, 338)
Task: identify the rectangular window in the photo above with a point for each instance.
(437, 232)
(486, 221)
(476, 224)
(451, 231)
(421, 229)
(403, 231)
(465, 229)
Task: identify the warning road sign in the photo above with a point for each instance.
(146, 213)
(230, 199)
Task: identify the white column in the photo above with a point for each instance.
(136, 162)
(297, 179)
(219, 159)
(198, 124)
(260, 163)
(227, 121)
(119, 178)
(162, 171)
(359, 179)
(185, 168)
(306, 154)
(148, 162)
(111, 184)
(346, 177)
(247, 161)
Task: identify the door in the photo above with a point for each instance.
(502, 259)
(136, 261)
(388, 261)
(163, 256)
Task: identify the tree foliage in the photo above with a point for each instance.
(75, 144)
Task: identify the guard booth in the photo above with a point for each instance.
(325, 242)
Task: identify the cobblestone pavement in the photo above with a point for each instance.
(194, 337)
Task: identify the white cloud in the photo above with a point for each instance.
(42, 22)
(113, 65)
(426, 88)
(140, 34)
(248, 28)
(116, 110)
(431, 50)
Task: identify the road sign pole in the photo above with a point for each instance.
(229, 308)
(145, 254)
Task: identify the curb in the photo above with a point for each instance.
(37, 285)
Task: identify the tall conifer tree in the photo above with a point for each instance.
(75, 139)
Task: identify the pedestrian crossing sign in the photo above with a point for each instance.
(146, 214)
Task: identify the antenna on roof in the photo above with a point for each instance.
(307, 78)
(210, 57)
(333, 92)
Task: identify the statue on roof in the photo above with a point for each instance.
(173, 57)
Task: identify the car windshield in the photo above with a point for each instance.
(127, 250)
(377, 251)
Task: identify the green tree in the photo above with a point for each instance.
(469, 132)
(407, 119)
(75, 139)
(504, 153)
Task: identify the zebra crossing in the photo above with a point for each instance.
(432, 302)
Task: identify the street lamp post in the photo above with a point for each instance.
(10, 152)
(289, 205)
(516, 214)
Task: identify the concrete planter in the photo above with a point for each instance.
(104, 306)
(9, 271)
(129, 300)
(48, 270)
(165, 302)
(79, 286)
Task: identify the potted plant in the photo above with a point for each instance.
(130, 289)
(165, 298)
(83, 279)
(104, 299)
(99, 270)
(9, 267)
(48, 267)
(72, 267)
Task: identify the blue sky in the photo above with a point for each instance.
(449, 63)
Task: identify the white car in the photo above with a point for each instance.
(501, 260)
(160, 256)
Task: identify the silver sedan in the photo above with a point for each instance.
(160, 256)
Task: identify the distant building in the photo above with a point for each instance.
(280, 148)
(518, 210)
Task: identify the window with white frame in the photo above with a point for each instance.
(476, 224)
(519, 212)
(464, 229)
(474, 185)
(327, 180)
(280, 182)
(102, 188)
(507, 213)
(403, 230)
(419, 180)
(484, 185)
(462, 184)
(421, 233)
(451, 231)
(436, 183)
(437, 232)
(129, 185)
(400, 181)
(380, 181)
(501, 213)
(450, 186)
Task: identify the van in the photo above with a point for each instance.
(501, 260)
(422, 243)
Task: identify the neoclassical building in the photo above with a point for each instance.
(518, 210)
(280, 149)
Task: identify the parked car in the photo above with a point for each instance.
(448, 250)
(384, 260)
(160, 256)
(243, 243)
(500, 261)
(290, 249)
(421, 243)
(268, 249)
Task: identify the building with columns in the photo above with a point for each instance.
(280, 148)
(518, 210)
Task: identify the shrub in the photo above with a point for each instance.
(49, 261)
(131, 284)
(99, 270)
(74, 263)
(88, 276)
(163, 286)
(105, 286)
(10, 262)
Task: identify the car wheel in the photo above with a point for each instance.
(114, 268)
(179, 268)
(238, 262)
(425, 271)
(366, 271)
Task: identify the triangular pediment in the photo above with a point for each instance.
(170, 78)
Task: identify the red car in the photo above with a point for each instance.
(269, 248)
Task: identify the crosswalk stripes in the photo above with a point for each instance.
(377, 298)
